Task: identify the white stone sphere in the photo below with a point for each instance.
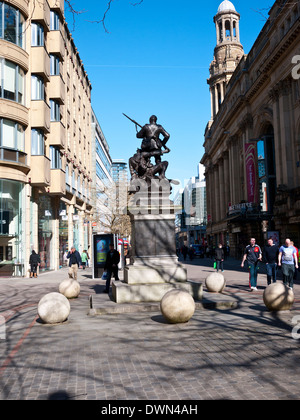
(177, 306)
(69, 288)
(278, 297)
(54, 308)
(215, 283)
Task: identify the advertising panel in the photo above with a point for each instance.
(251, 171)
(100, 249)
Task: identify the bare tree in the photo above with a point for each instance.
(111, 209)
(102, 21)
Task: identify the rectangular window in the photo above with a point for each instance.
(55, 158)
(37, 35)
(55, 110)
(54, 65)
(9, 83)
(37, 143)
(54, 21)
(12, 79)
(20, 138)
(21, 80)
(8, 134)
(37, 88)
(21, 34)
(1, 19)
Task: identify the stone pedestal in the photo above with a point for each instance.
(155, 268)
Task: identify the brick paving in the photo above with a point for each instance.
(243, 353)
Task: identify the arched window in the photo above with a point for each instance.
(227, 29)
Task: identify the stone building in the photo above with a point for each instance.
(252, 143)
(45, 137)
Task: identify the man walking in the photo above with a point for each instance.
(271, 257)
(219, 257)
(253, 255)
(111, 266)
(288, 261)
(74, 262)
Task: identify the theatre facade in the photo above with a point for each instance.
(252, 142)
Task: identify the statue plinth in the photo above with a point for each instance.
(154, 268)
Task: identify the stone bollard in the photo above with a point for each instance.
(215, 283)
(69, 288)
(278, 297)
(54, 308)
(177, 306)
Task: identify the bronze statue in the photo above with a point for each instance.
(141, 167)
(152, 146)
(150, 134)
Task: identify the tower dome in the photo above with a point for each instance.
(226, 5)
(227, 55)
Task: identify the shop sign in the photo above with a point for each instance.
(240, 208)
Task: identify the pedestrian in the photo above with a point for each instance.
(84, 259)
(219, 258)
(253, 255)
(74, 262)
(296, 270)
(34, 262)
(111, 266)
(288, 261)
(191, 253)
(271, 252)
(184, 251)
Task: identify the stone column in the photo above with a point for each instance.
(217, 194)
(222, 189)
(216, 100)
(70, 225)
(226, 181)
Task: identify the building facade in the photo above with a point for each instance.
(191, 214)
(102, 179)
(45, 138)
(252, 144)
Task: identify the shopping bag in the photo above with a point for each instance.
(215, 264)
(104, 275)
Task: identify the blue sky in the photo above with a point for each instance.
(155, 60)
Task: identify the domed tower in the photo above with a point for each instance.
(227, 55)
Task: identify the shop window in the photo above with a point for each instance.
(11, 227)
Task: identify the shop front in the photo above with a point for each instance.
(63, 235)
(12, 228)
(45, 233)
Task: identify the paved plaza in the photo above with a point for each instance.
(242, 352)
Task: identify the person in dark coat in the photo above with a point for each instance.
(219, 258)
(34, 262)
(74, 262)
(111, 266)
